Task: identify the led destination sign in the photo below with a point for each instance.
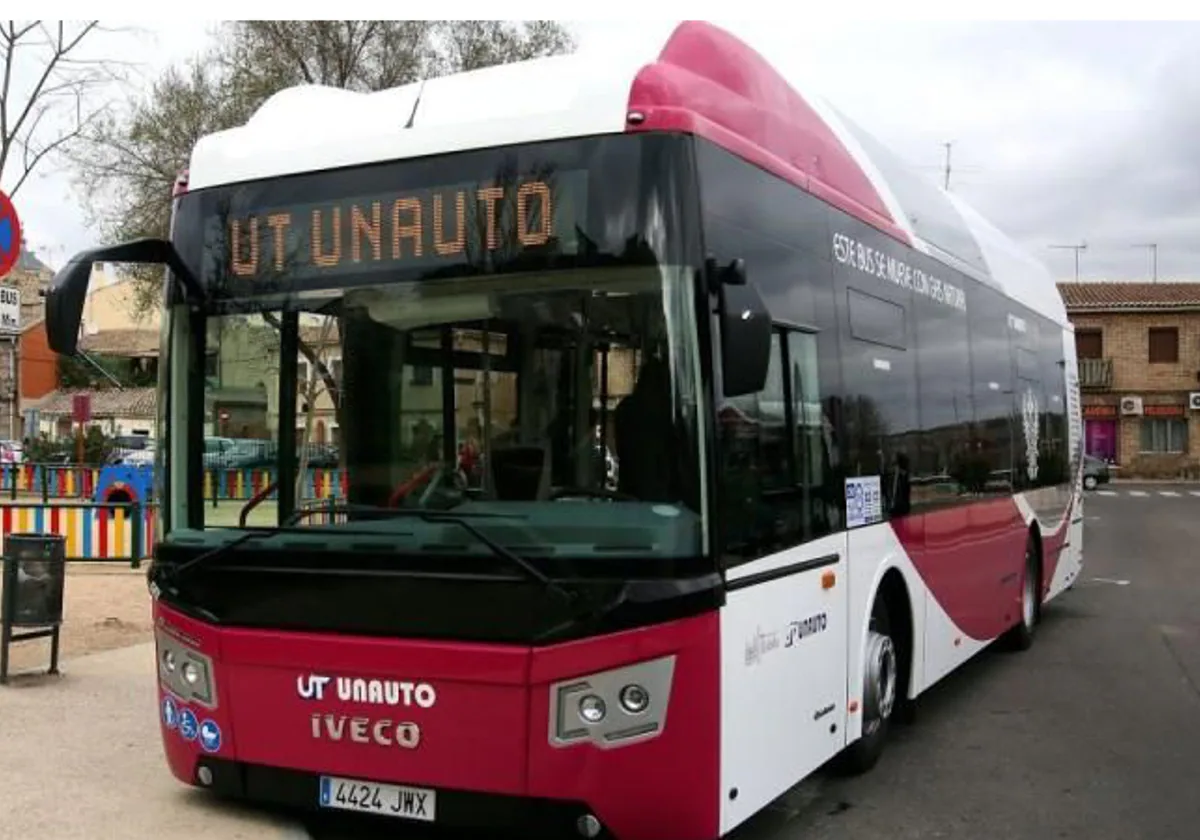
(458, 224)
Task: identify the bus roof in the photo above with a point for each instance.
(701, 80)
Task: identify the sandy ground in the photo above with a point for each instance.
(105, 606)
(81, 758)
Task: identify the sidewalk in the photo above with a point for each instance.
(80, 757)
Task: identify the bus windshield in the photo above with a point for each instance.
(549, 398)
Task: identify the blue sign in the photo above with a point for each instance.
(210, 736)
(170, 712)
(10, 235)
(188, 727)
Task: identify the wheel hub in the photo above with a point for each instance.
(879, 685)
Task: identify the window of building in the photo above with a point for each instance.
(1164, 435)
(1164, 345)
(422, 375)
(1089, 344)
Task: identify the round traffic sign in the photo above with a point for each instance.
(10, 235)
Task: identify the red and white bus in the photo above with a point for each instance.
(768, 436)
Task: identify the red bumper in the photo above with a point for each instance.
(461, 717)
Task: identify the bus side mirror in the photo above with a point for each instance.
(745, 334)
(64, 304)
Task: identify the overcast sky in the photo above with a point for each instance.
(1062, 132)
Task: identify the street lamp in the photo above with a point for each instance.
(1082, 246)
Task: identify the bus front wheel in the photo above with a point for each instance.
(880, 682)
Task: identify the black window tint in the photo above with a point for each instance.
(944, 390)
(814, 441)
(755, 465)
(880, 388)
(1056, 457)
(876, 320)
(1029, 399)
(987, 466)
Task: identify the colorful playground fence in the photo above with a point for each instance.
(92, 531)
(51, 481)
(244, 484)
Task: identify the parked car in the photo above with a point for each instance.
(1095, 472)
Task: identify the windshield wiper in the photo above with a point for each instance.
(177, 569)
(387, 513)
(458, 518)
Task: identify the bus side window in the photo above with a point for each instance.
(777, 453)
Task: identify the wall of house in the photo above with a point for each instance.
(110, 305)
(1164, 387)
(39, 364)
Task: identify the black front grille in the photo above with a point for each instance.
(497, 816)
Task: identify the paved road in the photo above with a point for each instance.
(1094, 733)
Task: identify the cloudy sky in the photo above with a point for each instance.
(1062, 132)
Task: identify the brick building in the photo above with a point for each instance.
(1139, 374)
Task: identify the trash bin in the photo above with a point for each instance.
(34, 578)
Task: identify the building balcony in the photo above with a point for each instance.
(1095, 374)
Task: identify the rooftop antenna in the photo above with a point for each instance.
(416, 104)
(1153, 246)
(1082, 246)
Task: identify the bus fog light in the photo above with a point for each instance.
(205, 776)
(635, 699)
(191, 673)
(169, 660)
(591, 709)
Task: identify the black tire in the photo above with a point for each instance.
(1090, 482)
(1020, 637)
(879, 706)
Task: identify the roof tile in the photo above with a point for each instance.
(1131, 297)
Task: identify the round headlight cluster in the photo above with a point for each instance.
(635, 699)
(591, 708)
(191, 674)
(169, 661)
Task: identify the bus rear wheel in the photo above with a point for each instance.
(1020, 637)
(880, 680)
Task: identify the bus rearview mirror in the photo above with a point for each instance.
(745, 340)
(68, 289)
(64, 304)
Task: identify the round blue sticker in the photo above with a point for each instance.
(210, 736)
(170, 712)
(188, 726)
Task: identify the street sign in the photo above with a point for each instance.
(10, 310)
(81, 407)
(10, 235)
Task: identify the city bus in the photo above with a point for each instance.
(684, 438)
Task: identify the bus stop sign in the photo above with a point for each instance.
(10, 235)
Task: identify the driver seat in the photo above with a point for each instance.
(520, 473)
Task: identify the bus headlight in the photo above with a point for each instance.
(612, 708)
(185, 672)
(634, 699)
(591, 709)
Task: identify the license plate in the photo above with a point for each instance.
(374, 798)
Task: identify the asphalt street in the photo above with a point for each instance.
(1092, 733)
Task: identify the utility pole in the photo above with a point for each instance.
(1153, 246)
(946, 181)
(1082, 246)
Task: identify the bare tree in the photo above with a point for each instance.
(45, 89)
(127, 162)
